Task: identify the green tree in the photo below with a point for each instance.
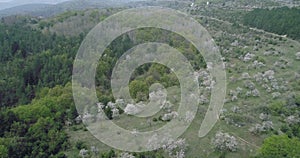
(279, 146)
(138, 90)
(3, 151)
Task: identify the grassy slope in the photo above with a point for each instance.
(248, 142)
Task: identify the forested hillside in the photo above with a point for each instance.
(31, 60)
(260, 117)
(283, 21)
(36, 63)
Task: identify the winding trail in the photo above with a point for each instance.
(245, 141)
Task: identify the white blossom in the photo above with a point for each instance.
(269, 74)
(120, 103)
(225, 142)
(157, 95)
(209, 66)
(235, 43)
(282, 63)
(245, 75)
(78, 119)
(268, 89)
(267, 125)
(206, 83)
(94, 149)
(274, 53)
(131, 109)
(234, 98)
(170, 116)
(189, 116)
(248, 93)
(292, 120)
(128, 57)
(260, 128)
(258, 77)
(257, 65)
(235, 109)
(111, 105)
(255, 93)
(134, 132)
(154, 142)
(203, 100)
(239, 90)
(232, 93)
(249, 85)
(298, 56)
(248, 57)
(267, 53)
(100, 106)
(83, 153)
(87, 117)
(180, 154)
(167, 105)
(175, 149)
(126, 155)
(275, 86)
(115, 113)
(264, 117)
(276, 95)
(256, 129)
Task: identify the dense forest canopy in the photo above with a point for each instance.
(283, 21)
(31, 60)
(36, 68)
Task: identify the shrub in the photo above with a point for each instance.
(279, 146)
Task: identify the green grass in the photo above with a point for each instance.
(248, 143)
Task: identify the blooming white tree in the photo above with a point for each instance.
(120, 103)
(255, 93)
(126, 155)
(111, 105)
(131, 109)
(225, 142)
(235, 109)
(167, 105)
(170, 116)
(246, 75)
(83, 153)
(78, 119)
(261, 128)
(250, 85)
(203, 100)
(248, 57)
(298, 56)
(292, 120)
(175, 149)
(94, 149)
(115, 113)
(189, 116)
(234, 98)
(269, 74)
(100, 106)
(257, 65)
(239, 90)
(264, 117)
(276, 95)
(258, 77)
(87, 117)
